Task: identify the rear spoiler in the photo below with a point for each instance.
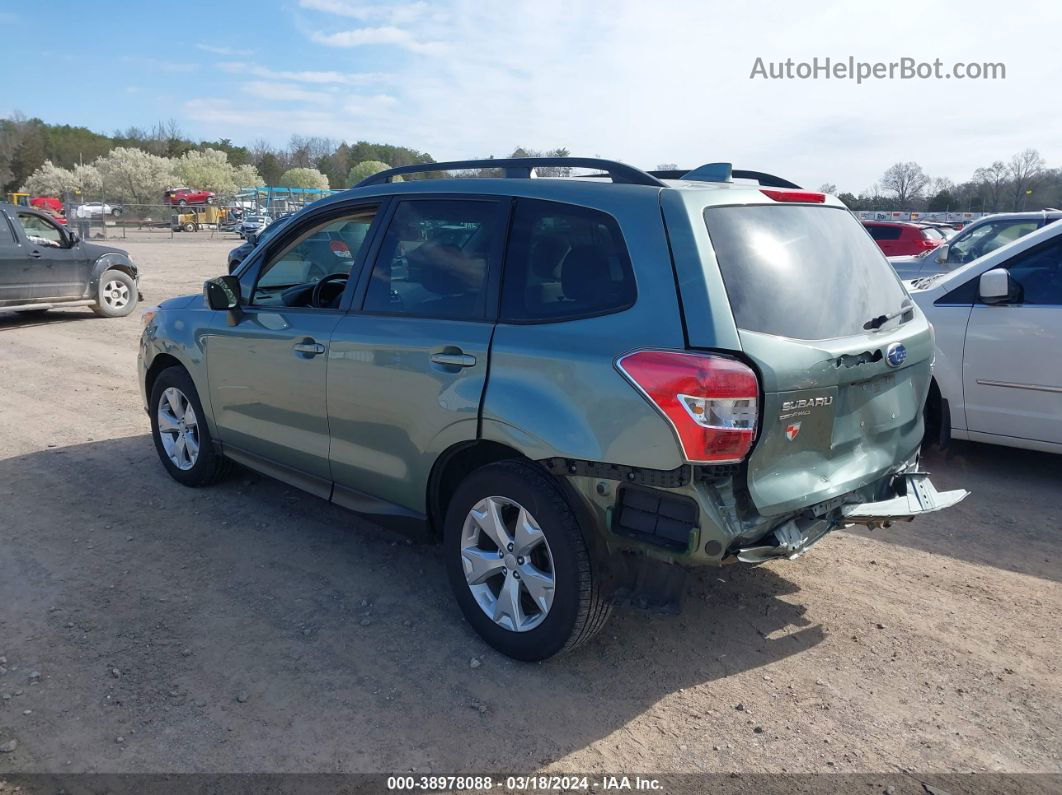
(724, 172)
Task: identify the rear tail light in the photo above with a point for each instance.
(928, 244)
(711, 401)
(339, 248)
(794, 195)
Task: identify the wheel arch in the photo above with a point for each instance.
(112, 261)
(162, 361)
(460, 460)
(452, 466)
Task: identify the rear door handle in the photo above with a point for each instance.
(308, 348)
(454, 359)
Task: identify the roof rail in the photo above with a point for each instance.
(520, 168)
(722, 172)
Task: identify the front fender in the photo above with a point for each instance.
(112, 261)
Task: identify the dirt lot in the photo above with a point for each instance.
(249, 627)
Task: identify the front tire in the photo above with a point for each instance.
(179, 430)
(116, 295)
(518, 564)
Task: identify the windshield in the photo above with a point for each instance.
(803, 272)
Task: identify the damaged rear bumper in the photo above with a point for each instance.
(914, 495)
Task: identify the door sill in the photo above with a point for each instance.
(373, 509)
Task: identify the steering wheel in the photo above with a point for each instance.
(318, 291)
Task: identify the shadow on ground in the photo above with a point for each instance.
(1011, 520)
(16, 320)
(251, 622)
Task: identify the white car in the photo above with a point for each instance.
(998, 323)
(90, 209)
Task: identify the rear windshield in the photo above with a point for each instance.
(805, 272)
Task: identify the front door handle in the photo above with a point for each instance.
(308, 348)
(35, 254)
(454, 359)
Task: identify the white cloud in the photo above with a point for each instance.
(284, 92)
(316, 77)
(669, 82)
(388, 34)
(229, 51)
(393, 13)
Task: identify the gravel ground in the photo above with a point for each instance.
(145, 627)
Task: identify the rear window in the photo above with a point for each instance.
(885, 232)
(804, 272)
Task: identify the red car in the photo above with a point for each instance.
(185, 196)
(902, 239)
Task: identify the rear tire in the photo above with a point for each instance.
(116, 295)
(171, 395)
(577, 608)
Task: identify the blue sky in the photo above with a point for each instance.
(644, 82)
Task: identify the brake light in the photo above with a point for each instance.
(794, 195)
(339, 248)
(928, 244)
(711, 401)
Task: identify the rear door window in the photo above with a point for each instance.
(564, 262)
(803, 272)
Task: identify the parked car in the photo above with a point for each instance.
(998, 323)
(947, 231)
(238, 254)
(975, 240)
(43, 265)
(570, 383)
(92, 209)
(901, 237)
(253, 225)
(184, 196)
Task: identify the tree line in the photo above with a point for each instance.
(1023, 182)
(137, 164)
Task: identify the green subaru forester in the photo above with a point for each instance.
(572, 383)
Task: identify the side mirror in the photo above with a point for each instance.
(75, 238)
(222, 293)
(997, 287)
(252, 238)
(941, 254)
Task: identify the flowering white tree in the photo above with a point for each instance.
(135, 175)
(305, 178)
(49, 180)
(247, 176)
(210, 169)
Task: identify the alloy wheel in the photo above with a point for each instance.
(508, 564)
(178, 428)
(115, 294)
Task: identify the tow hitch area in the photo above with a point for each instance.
(916, 496)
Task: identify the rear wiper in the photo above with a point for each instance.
(877, 322)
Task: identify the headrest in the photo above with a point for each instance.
(585, 273)
(546, 256)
